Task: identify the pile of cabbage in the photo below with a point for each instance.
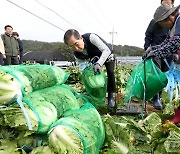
(41, 114)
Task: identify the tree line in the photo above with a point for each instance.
(67, 52)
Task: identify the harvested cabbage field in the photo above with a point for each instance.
(47, 110)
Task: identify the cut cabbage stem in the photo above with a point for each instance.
(59, 131)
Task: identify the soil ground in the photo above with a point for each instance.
(119, 102)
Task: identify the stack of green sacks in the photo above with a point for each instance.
(43, 107)
(48, 103)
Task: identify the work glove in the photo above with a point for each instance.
(175, 57)
(97, 68)
(148, 53)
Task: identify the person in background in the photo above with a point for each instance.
(2, 52)
(11, 47)
(155, 35)
(88, 46)
(170, 18)
(16, 35)
(168, 2)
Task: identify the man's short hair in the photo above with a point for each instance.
(171, 0)
(7, 27)
(15, 34)
(69, 33)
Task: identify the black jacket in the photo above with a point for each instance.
(20, 47)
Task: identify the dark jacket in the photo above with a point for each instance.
(20, 47)
(10, 45)
(155, 35)
(1, 59)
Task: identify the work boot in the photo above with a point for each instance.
(111, 102)
(176, 118)
(157, 102)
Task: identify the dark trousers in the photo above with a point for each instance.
(1, 59)
(161, 64)
(21, 60)
(111, 86)
(11, 60)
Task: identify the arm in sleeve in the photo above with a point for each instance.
(177, 28)
(95, 40)
(20, 48)
(148, 35)
(17, 45)
(167, 48)
(2, 50)
(20, 45)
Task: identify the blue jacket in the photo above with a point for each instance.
(177, 27)
(155, 35)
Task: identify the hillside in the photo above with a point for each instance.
(30, 45)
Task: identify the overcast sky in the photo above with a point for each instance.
(129, 18)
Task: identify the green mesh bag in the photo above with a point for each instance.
(36, 77)
(41, 116)
(83, 98)
(95, 85)
(60, 96)
(81, 131)
(156, 80)
(43, 107)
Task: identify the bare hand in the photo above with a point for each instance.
(18, 57)
(4, 56)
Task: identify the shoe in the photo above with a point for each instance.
(111, 102)
(157, 102)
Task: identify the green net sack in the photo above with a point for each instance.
(95, 85)
(41, 117)
(156, 80)
(9, 87)
(83, 98)
(36, 77)
(81, 131)
(43, 107)
(60, 96)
